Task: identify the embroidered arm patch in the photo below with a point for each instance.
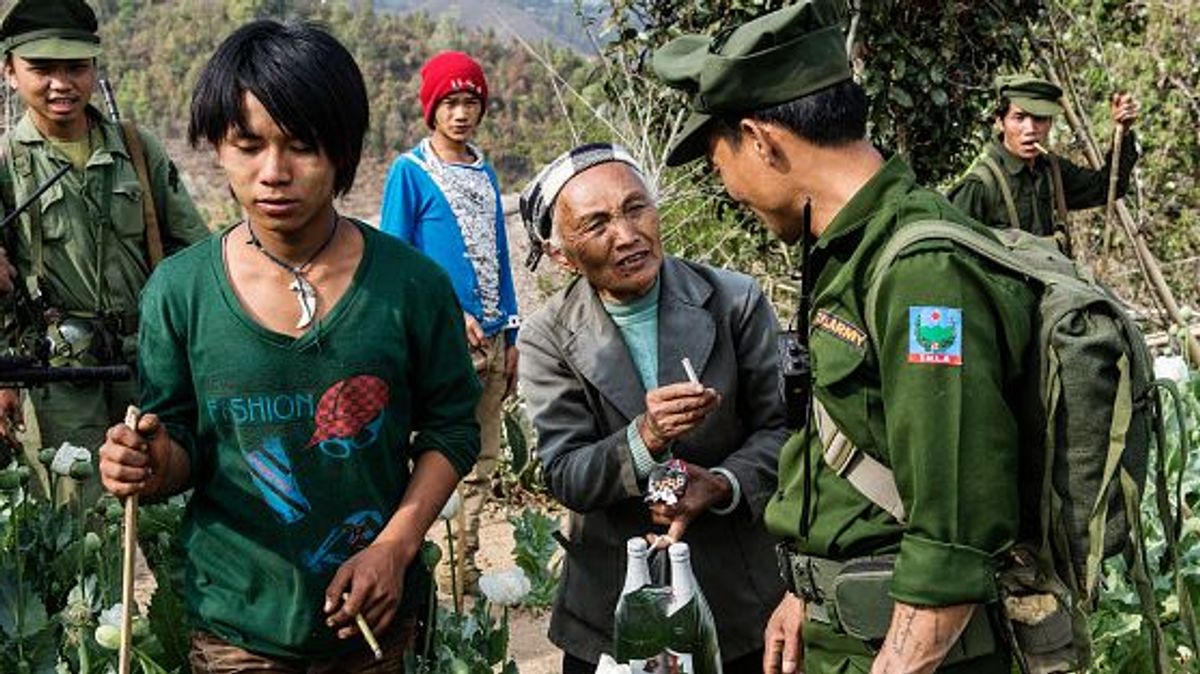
(935, 335)
(840, 328)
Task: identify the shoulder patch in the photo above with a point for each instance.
(840, 328)
(935, 335)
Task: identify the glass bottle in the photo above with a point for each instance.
(639, 623)
(691, 645)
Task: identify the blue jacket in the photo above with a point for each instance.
(415, 210)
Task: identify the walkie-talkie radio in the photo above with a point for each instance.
(795, 366)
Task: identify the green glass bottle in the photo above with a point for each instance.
(640, 621)
(691, 644)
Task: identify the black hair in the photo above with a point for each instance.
(1001, 109)
(304, 77)
(831, 117)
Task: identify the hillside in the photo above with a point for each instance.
(154, 54)
(554, 21)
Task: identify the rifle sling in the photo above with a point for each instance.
(137, 153)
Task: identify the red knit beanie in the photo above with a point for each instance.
(449, 73)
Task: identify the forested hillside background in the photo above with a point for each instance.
(155, 50)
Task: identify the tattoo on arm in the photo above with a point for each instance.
(920, 637)
(906, 624)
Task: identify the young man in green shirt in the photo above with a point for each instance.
(305, 375)
(86, 246)
(906, 587)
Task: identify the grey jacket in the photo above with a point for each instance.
(583, 391)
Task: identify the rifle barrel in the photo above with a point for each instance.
(25, 376)
(62, 171)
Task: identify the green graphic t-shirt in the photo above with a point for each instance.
(300, 447)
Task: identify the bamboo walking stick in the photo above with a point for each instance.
(128, 544)
(1145, 259)
(1110, 213)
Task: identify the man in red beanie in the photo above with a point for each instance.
(443, 198)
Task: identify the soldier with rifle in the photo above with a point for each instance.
(87, 247)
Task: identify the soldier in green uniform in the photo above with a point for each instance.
(928, 393)
(85, 247)
(1015, 182)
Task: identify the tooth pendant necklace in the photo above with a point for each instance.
(306, 294)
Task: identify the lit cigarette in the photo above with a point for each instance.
(1039, 148)
(691, 371)
(366, 632)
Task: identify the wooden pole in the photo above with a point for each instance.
(128, 545)
(1114, 173)
(1149, 265)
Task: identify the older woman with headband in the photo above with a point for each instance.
(602, 370)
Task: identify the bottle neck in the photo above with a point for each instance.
(683, 583)
(637, 572)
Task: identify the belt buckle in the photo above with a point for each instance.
(783, 560)
(797, 574)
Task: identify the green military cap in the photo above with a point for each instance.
(1032, 94)
(50, 29)
(773, 59)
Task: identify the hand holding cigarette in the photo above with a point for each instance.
(675, 409)
(363, 627)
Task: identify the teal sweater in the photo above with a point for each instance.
(300, 447)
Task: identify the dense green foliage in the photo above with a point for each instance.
(927, 66)
(60, 577)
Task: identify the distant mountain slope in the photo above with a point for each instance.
(535, 21)
(155, 52)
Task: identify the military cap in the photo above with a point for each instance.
(1033, 95)
(773, 59)
(50, 29)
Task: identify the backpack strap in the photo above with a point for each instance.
(869, 476)
(1172, 524)
(1139, 573)
(983, 244)
(1118, 430)
(1005, 189)
(137, 153)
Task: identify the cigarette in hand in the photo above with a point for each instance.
(691, 371)
(366, 632)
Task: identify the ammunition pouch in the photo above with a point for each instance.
(853, 597)
(79, 339)
(1040, 617)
